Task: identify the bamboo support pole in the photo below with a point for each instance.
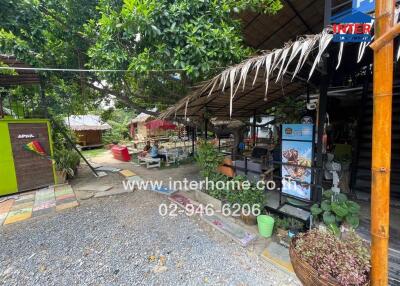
(385, 38)
(381, 144)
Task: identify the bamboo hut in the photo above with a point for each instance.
(140, 132)
(88, 129)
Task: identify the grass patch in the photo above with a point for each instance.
(93, 152)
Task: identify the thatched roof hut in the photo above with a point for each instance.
(88, 129)
(86, 122)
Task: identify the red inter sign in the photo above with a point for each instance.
(352, 28)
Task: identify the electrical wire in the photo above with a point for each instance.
(85, 70)
(78, 70)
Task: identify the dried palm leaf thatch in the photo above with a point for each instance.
(340, 54)
(323, 44)
(270, 66)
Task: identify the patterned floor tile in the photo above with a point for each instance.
(67, 200)
(6, 206)
(67, 206)
(127, 173)
(44, 205)
(3, 217)
(45, 211)
(64, 191)
(22, 206)
(67, 196)
(18, 215)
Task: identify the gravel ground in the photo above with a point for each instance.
(122, 240)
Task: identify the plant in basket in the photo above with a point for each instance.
(335, 210)
(321, 258)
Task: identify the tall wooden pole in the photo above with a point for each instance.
(381, 144)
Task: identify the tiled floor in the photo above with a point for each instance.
(23, 206)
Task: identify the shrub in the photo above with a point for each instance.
(208, 159)
(336, 209)
(346, 260)
(66, 161)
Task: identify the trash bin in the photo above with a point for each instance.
(265, 225)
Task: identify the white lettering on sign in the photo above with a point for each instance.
(25, 136)
(364, 6)
(361, 1)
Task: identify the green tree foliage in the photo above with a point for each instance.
(166, 45)
(119, 120)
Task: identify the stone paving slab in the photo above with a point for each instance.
(278, 255)
(18, 215)
(108, 169)
(95, 187)
(232, 230)
(112, 193)
(22, 206)
(127, 173)
(67, 206)
(45, 205)
(6, 206)
(3, 217)
(44, 211)
(66, 196)
(66, 200)
(135, 178)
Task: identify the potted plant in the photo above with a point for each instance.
(294, 226)
(281, 229)
(321, 258)
(287, 227)
(335, 210)
(67, 162)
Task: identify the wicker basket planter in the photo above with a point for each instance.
(307, 274)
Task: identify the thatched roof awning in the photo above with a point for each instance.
(85, 123)
(251, 86)
(255, 84)
(22, 77)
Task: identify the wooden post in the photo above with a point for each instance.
(43, 100)
(322, 103)
(381, 144)
(193, 138)
(205, 129)
(2, 95)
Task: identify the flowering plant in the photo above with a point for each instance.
(347, 260)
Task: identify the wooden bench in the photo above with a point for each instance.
(149, 162)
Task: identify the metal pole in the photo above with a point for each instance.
(254, 129)
(381, 144)
(327, 12)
